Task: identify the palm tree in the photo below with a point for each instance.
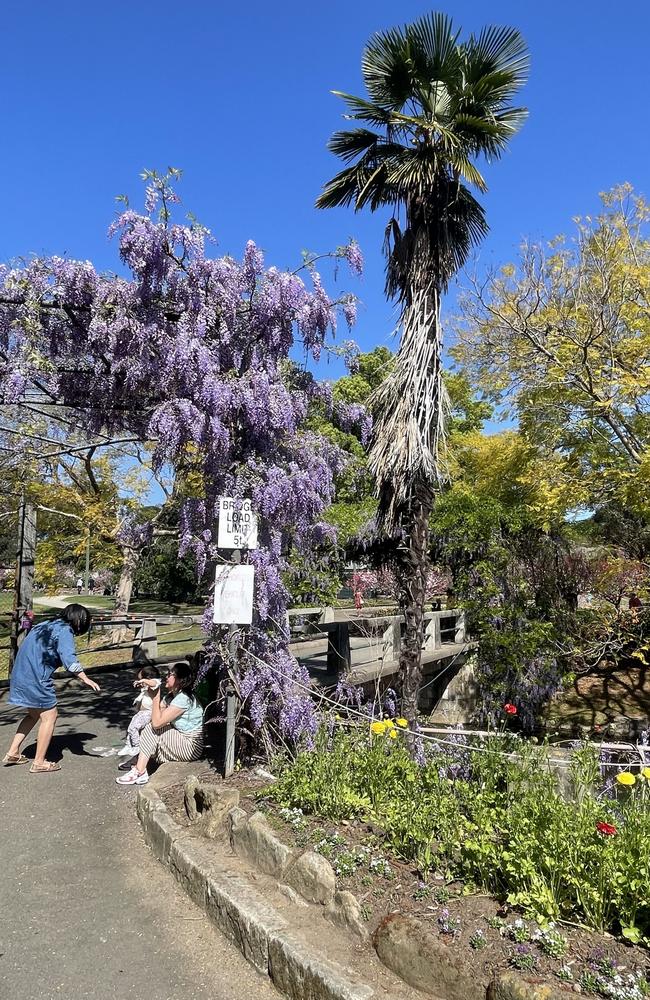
(435, 106)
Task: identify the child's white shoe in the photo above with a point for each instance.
(133, 778)
(127, 751)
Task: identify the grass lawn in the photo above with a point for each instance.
(176, 640)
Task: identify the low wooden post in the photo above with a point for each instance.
(146, 639)
(459, 634)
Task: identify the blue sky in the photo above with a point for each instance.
(239, 97)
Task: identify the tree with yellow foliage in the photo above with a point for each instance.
(563, 339)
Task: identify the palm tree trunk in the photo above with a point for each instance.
(411, 573)
(406, 459)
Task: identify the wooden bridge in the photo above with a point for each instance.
(364, 650)
(333, 644)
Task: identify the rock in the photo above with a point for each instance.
(189, 795)
(291, 894)
(254, 841)
(261, 772)
(300, 974)
(208, 804)
(406, 946)
(236, 818)
(510, 986)
(313, 877)
(345, 911)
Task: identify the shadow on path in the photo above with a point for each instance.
(85, 911)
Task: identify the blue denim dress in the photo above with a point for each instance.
(48, 646)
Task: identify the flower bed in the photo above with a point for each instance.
(493, 817)
(484, 936)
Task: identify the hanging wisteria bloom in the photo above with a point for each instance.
(191, 353)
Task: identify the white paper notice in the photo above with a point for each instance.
(233, 595)
(237, 524)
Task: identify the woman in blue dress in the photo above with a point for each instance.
(46, 647)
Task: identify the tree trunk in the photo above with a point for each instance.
(130, 560)
(406, 458)
(412, 575)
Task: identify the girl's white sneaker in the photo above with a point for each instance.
(133, 778)
(127, 751)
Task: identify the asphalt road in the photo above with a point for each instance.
(85, 911)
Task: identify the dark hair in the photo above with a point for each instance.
(184, 675)
(149, 670)
(77, 617)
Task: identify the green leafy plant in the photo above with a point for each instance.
(490, 816)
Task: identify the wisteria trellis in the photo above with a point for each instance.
(192, 352)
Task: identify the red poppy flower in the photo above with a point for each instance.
(510, 709)
(607, 829)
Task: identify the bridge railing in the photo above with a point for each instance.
(442, 628)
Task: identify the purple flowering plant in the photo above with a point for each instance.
(190, 353)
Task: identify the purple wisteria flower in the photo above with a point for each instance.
(192, 354)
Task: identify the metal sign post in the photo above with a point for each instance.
(233, 597)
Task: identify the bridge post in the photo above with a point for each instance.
(432, 639)
(460, 627)
(391, 642)
(339, 657)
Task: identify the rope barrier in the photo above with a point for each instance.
(640, 748)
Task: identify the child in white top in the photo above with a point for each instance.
(144, 701)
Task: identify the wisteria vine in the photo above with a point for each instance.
(192, 353)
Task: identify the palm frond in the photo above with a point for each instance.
(497, 49)
(343, 188)
(386, 69)
(352, 143)
(434, 47)
(464, 167)
(376, 115)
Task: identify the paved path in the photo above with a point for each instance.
(85, 911)
(56, 602)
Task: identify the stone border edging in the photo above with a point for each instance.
(263, 936)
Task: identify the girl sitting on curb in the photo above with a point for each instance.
(175, 732)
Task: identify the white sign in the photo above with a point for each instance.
(237, 524)
(233, 595)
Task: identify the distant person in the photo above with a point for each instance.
(107, 591)
(635, 602)
(45, 647)
(175, 732)
(80, 585)
(91, 585)
(358, 600)
(436, 604)
(144, 703)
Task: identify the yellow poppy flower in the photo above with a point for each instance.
(392, 734)
(402, 723)
(625, 778)
(646, 773)
(378, 728)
